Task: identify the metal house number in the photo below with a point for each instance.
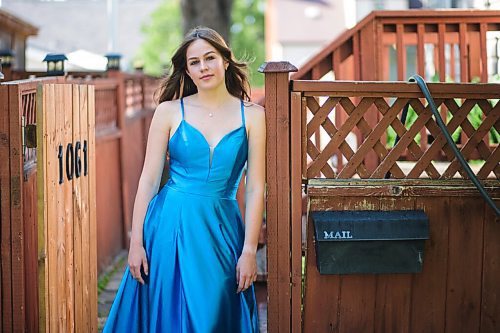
(72, 160)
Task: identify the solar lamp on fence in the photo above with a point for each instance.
(6, 58)
(113, 61)
(55, 64)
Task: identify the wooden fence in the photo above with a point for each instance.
(456, 291)
(123, 109)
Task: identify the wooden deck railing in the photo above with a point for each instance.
(436, 44)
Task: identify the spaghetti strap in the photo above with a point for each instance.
(182, 107)
(242, 113)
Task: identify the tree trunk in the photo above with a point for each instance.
(215, 14)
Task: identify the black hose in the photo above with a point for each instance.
(425, 90)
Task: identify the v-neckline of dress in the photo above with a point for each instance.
(211, 151)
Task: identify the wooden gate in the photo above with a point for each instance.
(67, 221)
(457, 291)
(48, 241)
(18, 178)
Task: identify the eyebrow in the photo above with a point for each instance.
(203, 55)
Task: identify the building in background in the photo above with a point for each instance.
(84, 27)
(13, 35)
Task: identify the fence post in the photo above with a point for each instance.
(277, 103)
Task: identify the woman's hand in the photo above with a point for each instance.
(246, 270)
(136, 259)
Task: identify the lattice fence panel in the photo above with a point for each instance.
(414, 149)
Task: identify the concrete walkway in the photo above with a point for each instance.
(117, 268)
(107, 295)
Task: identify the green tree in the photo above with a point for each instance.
(247, 36)
(164, 33)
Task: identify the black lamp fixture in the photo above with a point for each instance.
(113, 61)
(6, 58)
(55, 64)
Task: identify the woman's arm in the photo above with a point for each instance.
(149, 182)
(254, 195)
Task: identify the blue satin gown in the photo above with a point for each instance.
(193, 237)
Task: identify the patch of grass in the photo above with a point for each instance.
(104, 278)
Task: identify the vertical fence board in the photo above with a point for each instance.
(60, 212)
(474, 51)
(296, 212)
(30, 250)
(16, 206)
(462, 45)
(5, 204)
(441, 52)
(92, 208)
(68, 210)
(484, 53)
(86, 232)
(79, 133)
(321, 292)
(400, 51)
(490, 300)
(421, 49)
(51, 182)
(463, 299)
(42, 204)
(393, 299)
(429, 290)
(358, 291)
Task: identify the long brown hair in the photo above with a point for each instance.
(178, 84)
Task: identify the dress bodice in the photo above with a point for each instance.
(197, 168)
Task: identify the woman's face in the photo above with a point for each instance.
(205, 65)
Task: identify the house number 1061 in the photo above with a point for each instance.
(73, 161)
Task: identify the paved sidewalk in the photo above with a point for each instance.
(107, 295)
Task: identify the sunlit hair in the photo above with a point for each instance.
(178, 84)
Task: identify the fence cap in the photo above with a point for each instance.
(277, 67)
(55, 57)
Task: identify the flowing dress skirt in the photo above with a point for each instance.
(192, 244)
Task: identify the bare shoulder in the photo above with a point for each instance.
(166, 114)
(255, 114)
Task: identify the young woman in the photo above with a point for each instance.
(192, 260)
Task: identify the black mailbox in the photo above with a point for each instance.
(351, 242)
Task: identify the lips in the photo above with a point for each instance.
(205, 77)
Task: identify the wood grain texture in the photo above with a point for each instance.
(490, 298)
(393, 295)
(283, 182)
(6, 260)
(79, 133)
(465, 254)
(16, 209)
(92, 206)
(271, 209)
(296, 213)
